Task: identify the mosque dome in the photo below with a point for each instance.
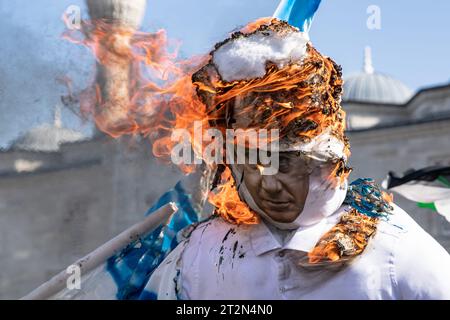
(47, 137)
(371, 86)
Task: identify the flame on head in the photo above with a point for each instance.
(255, 25)
(301, 99)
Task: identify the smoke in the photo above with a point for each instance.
(30, 63)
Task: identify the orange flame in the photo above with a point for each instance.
(253, 26)
(141, 88)
(339, 174)
(388, 197)
(288, 98)
(228, 204)
(345, 240)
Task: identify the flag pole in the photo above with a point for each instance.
(104, 252)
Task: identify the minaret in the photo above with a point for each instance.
(368, 67)
(113, 79)
(57, 122)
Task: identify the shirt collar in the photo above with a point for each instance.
(302, 239)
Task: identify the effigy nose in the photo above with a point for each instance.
(271, 184)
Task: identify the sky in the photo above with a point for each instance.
(412, 44)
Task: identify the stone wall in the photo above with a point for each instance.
(53, 216)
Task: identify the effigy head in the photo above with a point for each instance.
(269, 76)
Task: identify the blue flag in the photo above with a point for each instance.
(298, 13)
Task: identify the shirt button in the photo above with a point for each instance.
(281, 254)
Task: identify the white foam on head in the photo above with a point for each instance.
(323, 147)
(245, 58)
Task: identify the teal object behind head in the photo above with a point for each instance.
(298, 13)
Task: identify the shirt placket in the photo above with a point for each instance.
(283, 272)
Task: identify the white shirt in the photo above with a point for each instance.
(224, 261)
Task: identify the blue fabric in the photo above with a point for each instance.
(146, 295)
(298, 13)
(367, 198)
(132, 267)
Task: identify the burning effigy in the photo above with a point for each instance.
(285, 222)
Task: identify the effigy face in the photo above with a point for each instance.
(282, 195)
